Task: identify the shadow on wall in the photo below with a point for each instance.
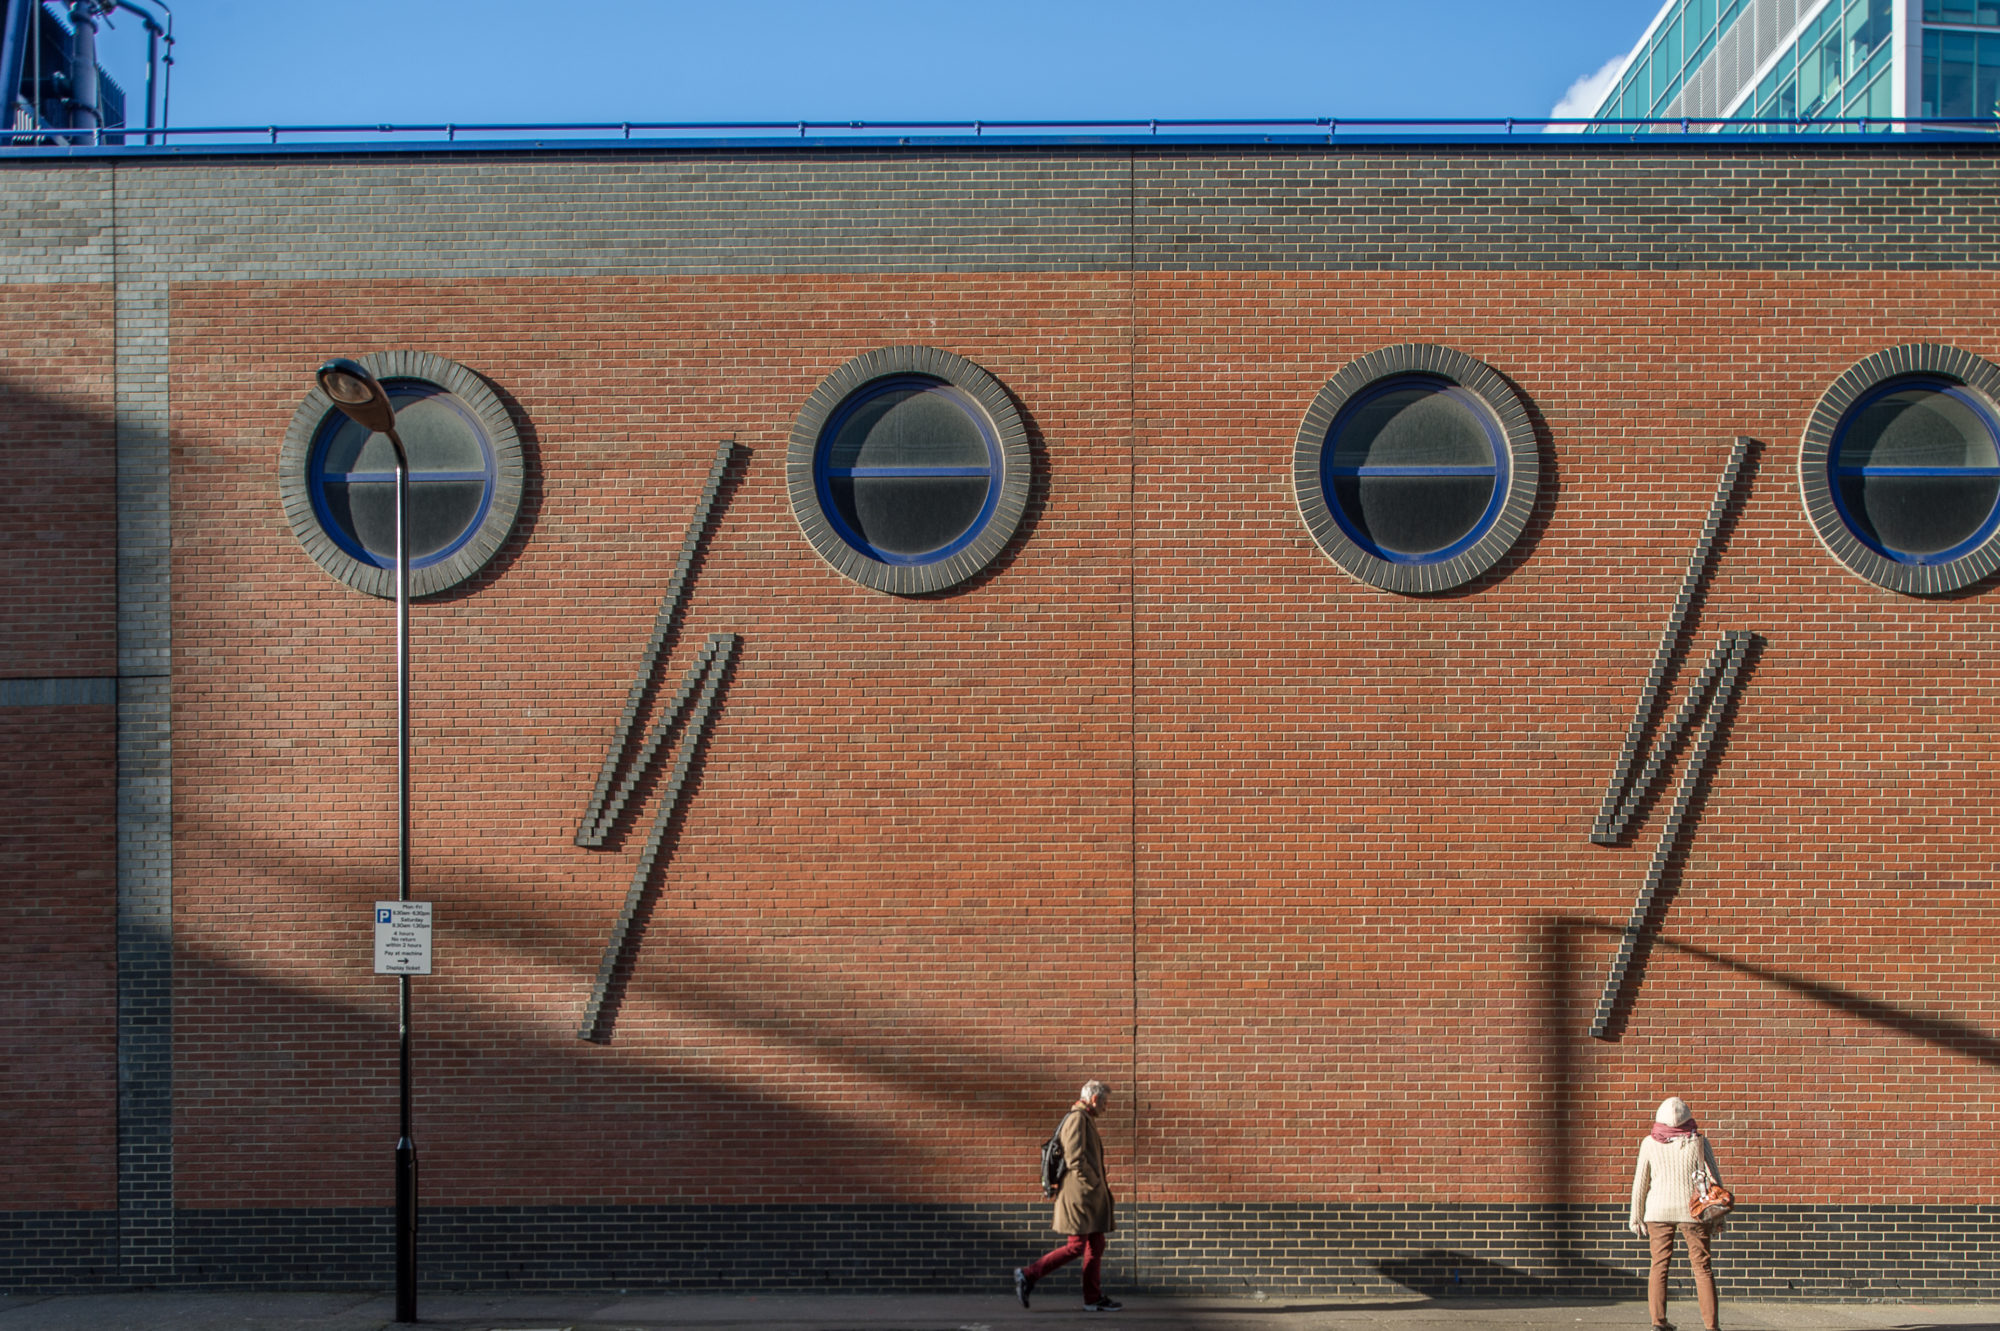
(702, 1126)
(525, 517)
(1903, 1257)
(572, 1119)
(1442, 1274)
(1944, 1033)
(260, 1076)
(1031, 515)
(850, 1230)
(58, 537)
(1549, 496)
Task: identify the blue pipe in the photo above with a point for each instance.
(86, 109)
(13, 58)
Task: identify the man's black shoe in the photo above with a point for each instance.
(1103, 1306)
(1022, 1285)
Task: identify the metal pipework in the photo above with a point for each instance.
(83, 108)
(155, 35)
(14, 58)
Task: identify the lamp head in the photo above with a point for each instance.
(358, 394)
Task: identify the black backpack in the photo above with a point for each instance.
(1055, 1165)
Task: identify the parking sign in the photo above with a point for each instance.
(402, 938)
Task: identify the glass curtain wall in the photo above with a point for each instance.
(1961, 68)
(1969, 13)
(1684, 39)
(1835, 77)
(1838, 69)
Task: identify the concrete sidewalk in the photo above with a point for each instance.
(607, 1311)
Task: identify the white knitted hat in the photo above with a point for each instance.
(1673, 1112)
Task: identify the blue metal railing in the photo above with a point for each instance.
(777, 132)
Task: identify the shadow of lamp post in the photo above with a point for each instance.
(360, 396)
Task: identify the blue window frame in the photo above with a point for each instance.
(454, 472)
(908, 470)
(1915, 464)
(1416, 469)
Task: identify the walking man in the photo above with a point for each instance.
(1083, 1205)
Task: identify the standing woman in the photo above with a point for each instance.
(1662, 1187)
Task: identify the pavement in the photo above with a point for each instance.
(1055, 1310)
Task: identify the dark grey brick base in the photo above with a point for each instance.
(1361, 1251)
(58, 1250)
(1448, 1249)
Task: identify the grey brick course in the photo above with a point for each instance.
(1692, 208)
(73, 691)
(56, 224)
(290, 217)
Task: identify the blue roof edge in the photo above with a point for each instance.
(1525, 141)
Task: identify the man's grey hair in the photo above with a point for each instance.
(1092, 1089)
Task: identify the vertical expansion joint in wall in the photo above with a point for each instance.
(1133, 1096)
(145, 981)
(144, 930)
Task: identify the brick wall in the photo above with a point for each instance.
(58, 860)
(860, 850)
(1302, 868)
(58, 979)
(58, 516)
(1368, 812)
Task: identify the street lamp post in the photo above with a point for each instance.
(360, 396)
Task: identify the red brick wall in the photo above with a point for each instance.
(1164, 797)
(855, 927)
(58, 831)
(1370, 812)
(58, 959)
(58, 479)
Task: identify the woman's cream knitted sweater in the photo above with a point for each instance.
(1664, 1181)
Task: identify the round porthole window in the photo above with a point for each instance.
(909, 469)
(338, 481)
(1899, 469)
(1415, 468)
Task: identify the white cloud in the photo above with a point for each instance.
(1584, 95)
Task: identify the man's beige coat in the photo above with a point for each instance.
(1084, 1203)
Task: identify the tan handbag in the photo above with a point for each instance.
(1710, 1200)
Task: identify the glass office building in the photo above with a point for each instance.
(1826, 65)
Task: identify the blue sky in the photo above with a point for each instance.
(260, 62)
